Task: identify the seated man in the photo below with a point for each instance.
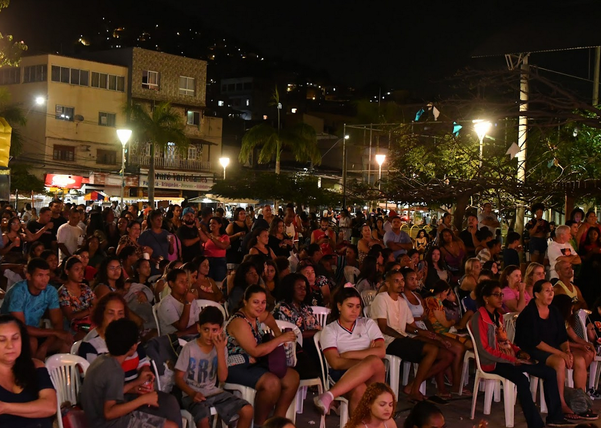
(102, 394)
(565, 285)
(560, 249)
(395, 320)
(28, 300)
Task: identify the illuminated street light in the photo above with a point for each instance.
(39, 100)
(124, 136)
(380, 159)
(224, 163)
(346, 137)
(481, 127)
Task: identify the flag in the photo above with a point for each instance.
(456, 129)
(513, 150)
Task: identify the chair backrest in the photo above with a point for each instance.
(368, 296)
(157, 378)
(155, 314)
(285, 324)
(322, 361)
(75, 347)
(203, 303)
(509, 321)
(321, 313)
(65, 372)
(581, 316)
(469, 329)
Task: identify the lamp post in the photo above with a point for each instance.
(344, 138)
(380, 159)
(124, 136)
(224, 163)
(481, 127)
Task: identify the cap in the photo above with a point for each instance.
(392, 214)
(188, 210)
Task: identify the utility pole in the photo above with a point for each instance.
(596, 76)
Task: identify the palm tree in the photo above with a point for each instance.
(300, 138)
(159, 126)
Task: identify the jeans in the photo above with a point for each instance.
(516, 375)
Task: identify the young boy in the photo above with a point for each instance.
(200, 365)
(102, 395)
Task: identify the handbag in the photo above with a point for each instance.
(275, 361)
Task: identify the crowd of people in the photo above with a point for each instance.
(122, 283)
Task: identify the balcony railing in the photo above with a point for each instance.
(171, 163)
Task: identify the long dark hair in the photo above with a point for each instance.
(102, 277)
(249, 291)
(24, 368)
(240, 278)
(339, 297)
(441, 262)
(287, 288)
(67, 265)
(369, 270)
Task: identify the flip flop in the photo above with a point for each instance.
(437, 400)
(572, 417)
(588, 416)
(446, 396)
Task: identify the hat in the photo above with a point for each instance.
(188, 210)
(392, 214)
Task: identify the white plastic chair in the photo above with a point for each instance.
(155, 314)
(75, 347)
(321, 313)
(490, 383)
(203, 303)
(327, 382)
(368, 296)
(64, 370)
(509, 322)
(394, 372)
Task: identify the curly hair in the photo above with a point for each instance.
(363, 410)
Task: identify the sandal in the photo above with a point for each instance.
(437, 400)
(588, 416)
(464, 393)
(572, 417)
(445, 396)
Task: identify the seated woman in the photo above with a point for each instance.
(376, 408)
(319, 288)
(205, 287)
(468, 282)
(76, 298)
(436, 314)
(246, 275)
(128, 259)
(245, 347)
(540, 331)
(295, 309)
(136, 367)
(445, 343)
(353, 347)
(89, 272)
(271, 281)
(369, 278)
(178, 312)
(97, 254)
(515, 296)
(109, 278)
(534, 272)
(578, 346)
(52, 260)
(437, 267)
(27, 396)
(501, 357)
(161, 289)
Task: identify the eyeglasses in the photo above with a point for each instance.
(498, 295)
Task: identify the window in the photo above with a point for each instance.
(239, 86)
(74, 76)
(35, 73)
(103, 80)
(107, 119)
(95, 80)
(193, 118)
(248, 86)
(170, 153)
(112, 83)
(192, 152)
(247, 102)
(84, 78)
(223, 88)
(186, 86)
(10, 76)
(106, 157)
(150, 80)
(64, 153)
(231, 87)
(220, 103)
(64, 113)
(120, 83)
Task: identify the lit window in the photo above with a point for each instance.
(264, 117)
(293, 110)
(193, 118)
(220, 103)
(150, 80)
(107, 119)
(64, 113)
(186, 86)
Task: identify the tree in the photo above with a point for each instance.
(10, 51)
(300, 138)
(22, 180)
(159, 127)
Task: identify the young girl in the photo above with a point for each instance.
(376, 408)
(76, 298)
(421, 242)
(353, 347)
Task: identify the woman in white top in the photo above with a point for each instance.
(353, 347)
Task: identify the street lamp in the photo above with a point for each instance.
(224, 163)
(481, 127)
(380, 159)
(344, 138)
(124, 136)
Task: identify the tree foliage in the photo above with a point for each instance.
(300, 139)
(159, 126)
(10, 51)
(22, 180)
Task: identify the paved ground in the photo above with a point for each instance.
(457, 414)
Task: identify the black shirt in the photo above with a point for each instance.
(27, 396)
(188, 253)
(47, 238)
(468, 240)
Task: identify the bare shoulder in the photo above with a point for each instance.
(37, 363)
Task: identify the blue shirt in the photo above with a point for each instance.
(19, 299)
(158, 243)
(401, 238)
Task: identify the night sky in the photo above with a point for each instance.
(402, 44)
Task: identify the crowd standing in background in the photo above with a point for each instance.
(129, 285)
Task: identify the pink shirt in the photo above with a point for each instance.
(510, 294)
(211, 250)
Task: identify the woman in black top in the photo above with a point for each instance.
(236, 230)
(279, 243)
(27, 396)
(541, 332)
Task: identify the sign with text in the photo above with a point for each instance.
(63, 181)
(164, 180)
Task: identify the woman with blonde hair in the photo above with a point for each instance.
(534, 272)
(376, 408)
(473, 266)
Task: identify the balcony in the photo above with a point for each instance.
(174, 163)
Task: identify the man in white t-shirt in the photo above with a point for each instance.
(396, 322)
(561, 249)
(488, 219)
(69, 236)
